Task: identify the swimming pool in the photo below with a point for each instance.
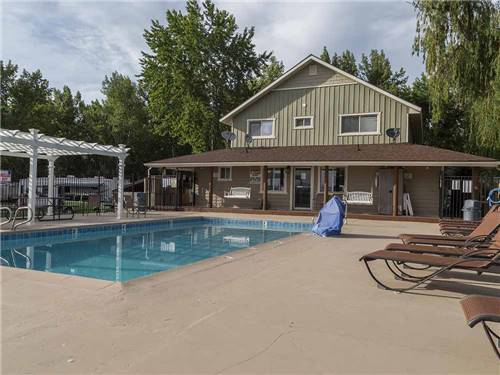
(122, 252)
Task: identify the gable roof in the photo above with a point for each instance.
(394, 154)
(296, 68)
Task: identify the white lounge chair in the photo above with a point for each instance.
(238, 193)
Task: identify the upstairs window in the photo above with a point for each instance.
(303, 122)
(261, 128)
(336, 177)
(276, 179)
(359, 124)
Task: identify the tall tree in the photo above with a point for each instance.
(376, 69)
(126, 121)
(460, 44)
(200, 67)
(273, 70)
(346, 61)
(325, 55)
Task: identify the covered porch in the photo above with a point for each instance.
(391, 181)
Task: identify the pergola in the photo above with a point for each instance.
(35, 145)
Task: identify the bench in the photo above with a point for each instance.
(238, 192)
(357, 197)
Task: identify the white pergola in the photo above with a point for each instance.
(35, 145)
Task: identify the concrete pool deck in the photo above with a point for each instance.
(301, 305)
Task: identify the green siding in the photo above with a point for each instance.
(325, 103)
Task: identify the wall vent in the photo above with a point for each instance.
(313, 70)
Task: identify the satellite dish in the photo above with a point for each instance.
(393, 133)
(248, 139)
(228, 136)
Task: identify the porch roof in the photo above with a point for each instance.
(398, 154)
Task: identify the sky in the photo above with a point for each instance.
(77, 43)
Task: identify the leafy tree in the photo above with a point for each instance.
(460, 44)
(325, 55)
(125, 121)
(200, 67)
(376, 69)
(449, 132)
(346, 61)
(271, 72)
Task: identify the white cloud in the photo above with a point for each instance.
(77, 43)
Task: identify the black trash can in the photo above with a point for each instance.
(472, 210)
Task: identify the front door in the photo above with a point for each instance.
(302, 188)
(385, 191)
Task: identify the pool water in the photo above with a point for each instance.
(128, 251)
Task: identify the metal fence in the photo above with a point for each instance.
(71, 195)
(456, 190)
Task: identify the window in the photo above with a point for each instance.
(261, 128)
(336, 178)
(225, 174)
(359, 124)
(276, 179)
(304, 122)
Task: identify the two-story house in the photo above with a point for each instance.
(314, 132)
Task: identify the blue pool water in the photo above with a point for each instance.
(122, 252)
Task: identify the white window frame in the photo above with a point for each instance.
(230, 174)
(320, 182)
(359, 114)
(301, 118)
(262, 136)
(285, 177)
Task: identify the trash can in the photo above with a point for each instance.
(472, 210)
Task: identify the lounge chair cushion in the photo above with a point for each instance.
(481, 308)
(429, 260)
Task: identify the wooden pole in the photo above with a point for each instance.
(177, 189)
(211, 188)
(325, 186)
(395, 193)
(194, 187)
(264, 187)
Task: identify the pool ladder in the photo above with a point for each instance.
(9, 218)
(29, 217)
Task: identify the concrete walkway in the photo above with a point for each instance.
(302, 305)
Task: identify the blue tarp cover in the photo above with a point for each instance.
(330, 219)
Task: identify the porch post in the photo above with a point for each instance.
(211, 188)
(476, 188)
(325, 185)
(51, 201)
(177, 189)
(264, 187)
(32, 181)
(395, 187)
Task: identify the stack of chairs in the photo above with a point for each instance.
(420, 258)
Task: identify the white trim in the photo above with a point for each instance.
(314, 87)
(377, 132)
(297, 67)
(230, 174)
(262, 119)
(401, 163)
(295, 127)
